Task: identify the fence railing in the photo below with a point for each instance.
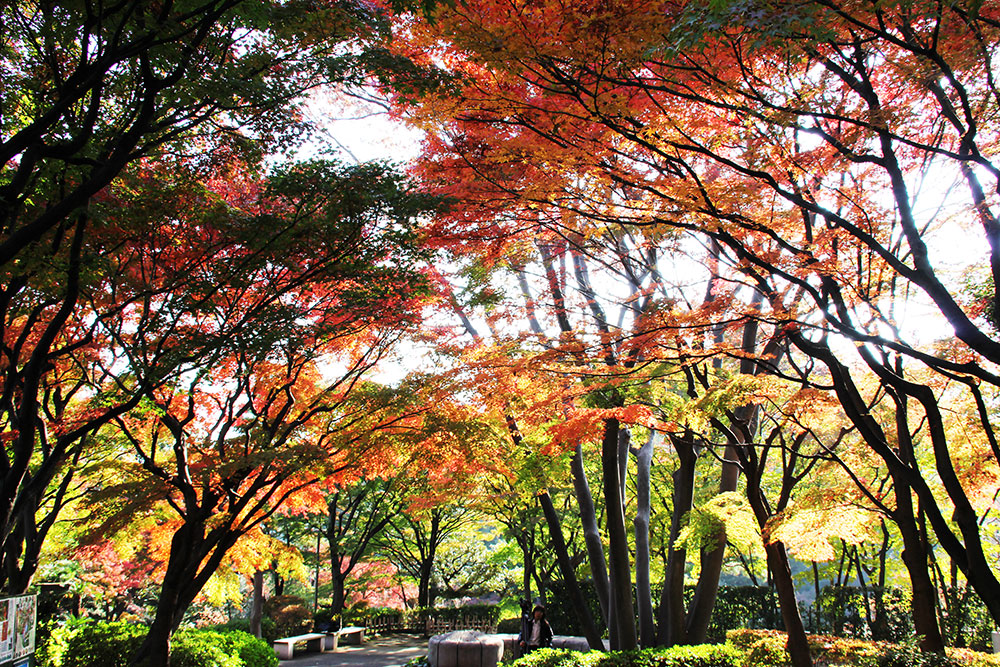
(429, 622)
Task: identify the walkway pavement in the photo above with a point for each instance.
(385, 651)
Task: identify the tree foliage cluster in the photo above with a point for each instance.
(723, 271)
(722, 238)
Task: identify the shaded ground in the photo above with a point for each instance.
(385, 651)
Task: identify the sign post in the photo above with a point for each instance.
(18, 619)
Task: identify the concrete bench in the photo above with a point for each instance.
(465, 648)
(354, 634)
(512, 650)
(315, 641)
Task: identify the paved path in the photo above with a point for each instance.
(385, 651)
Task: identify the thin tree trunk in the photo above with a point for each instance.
(591, 532)
(590, 630)
(644, 596)
(798, 644)
(619, 562)
(257, 604)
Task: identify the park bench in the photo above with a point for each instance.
(354, 634)
(315, 641)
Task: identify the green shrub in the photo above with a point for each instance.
(549, 657)
(706, 655)
(967, 622)
(108, 644)
(252, 651)
(201, 648)
(268, 630)
(53, 647)
(290, 615)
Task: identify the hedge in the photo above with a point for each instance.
(705, 655)
(767, 647)
(86, 643)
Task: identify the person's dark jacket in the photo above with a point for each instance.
(544, 638)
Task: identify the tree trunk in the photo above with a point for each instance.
(914, 555)
(155, 649)
(672, 629)
(337, 595)
(700, 613)
(591, 532)
(257, 604)
(707, 590)
(620, 568)
(590, 630)
(798, 645)
(644, 597)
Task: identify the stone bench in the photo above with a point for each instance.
(512, 650)
(354, 634)
(314, 641)
(465, 648)
(468, 648)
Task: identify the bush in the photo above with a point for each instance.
(87, 643)
(969, 658)
(706, 655)
(883, 614)
(53, 646)
(201, 648)
(252, 651)
(906, 655)
(290, 615)
(108, 644)
(967, 622)
(268, 630)
(767, 647)
(550, 657)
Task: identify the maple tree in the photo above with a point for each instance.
(288, 301)
(796, 139)
(357, 514)
(92, 90)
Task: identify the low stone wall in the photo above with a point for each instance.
(474, 649)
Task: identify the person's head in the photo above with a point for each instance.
(538, 612)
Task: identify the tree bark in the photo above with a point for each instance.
(798, 644)
(257, 604)
(644, 596)
(591, 532)
(672, 628)
(590, 630)
(619, 564)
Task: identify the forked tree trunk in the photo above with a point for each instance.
(672, 630)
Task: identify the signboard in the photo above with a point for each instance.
(17, 627)
(6, 632)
